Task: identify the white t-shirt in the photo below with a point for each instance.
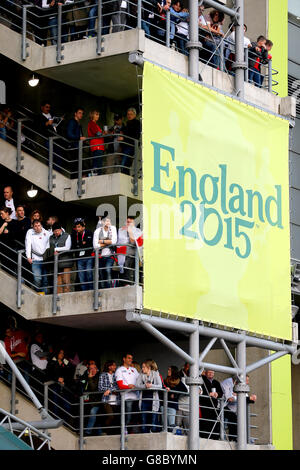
(10, 203)
(123, 238)
(105, 251)
(129, 377)
(231, 40)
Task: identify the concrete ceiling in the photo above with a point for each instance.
(113, 77)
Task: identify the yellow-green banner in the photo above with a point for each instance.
(216, 207)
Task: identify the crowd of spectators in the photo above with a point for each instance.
(106, 150)
(142, 384)
(42, 240)
(80, 16)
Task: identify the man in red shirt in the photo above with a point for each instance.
(16, 345)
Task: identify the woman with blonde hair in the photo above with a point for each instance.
(96, 144)
(149, 399)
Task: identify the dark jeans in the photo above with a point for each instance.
(231, 418)
(149, 420)
(105, 265)
(255, 77)
(85, 273)
(182, 41)
(126, 163)
(98, 160)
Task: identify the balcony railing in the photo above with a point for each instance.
(49, 277)
(84, 413)
(75, 159)
(88, 18)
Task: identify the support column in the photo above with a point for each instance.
(241, 389)
(239, 64)
(193, 45)
(194, 381)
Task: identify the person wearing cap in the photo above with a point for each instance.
(82, 239)
(60, 242)
(114, 147)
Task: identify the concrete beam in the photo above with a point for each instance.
(72, 305)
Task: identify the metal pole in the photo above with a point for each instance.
(54, 295)
(99, 28)
(194, 381)
(135, 168)
(139, 14)
(13, 393)
(241, 389)
(96, 280)
(22, 381)
(79, 181)
(220, 7)
(50, 165)
(167, 342)
(24, 32)
(165, 412)
(247, 64)
(46, 396)
(136, 267)
(248, 424)
(81, 423)
(239, 50)
(59, 48)
(19, 146)
(19, 279)
(222, 59)
(122, 421)
(168, 28)
(207, 349)
(209, 332)
(193, 45)
(270, 76)
(222, 426)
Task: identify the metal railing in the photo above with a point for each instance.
(120, 154)
(51, 279)
(86, 416)
(28, 432)
(74, 22)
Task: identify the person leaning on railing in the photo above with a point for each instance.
(149, 399)
(258, 54)
(59, 242)
(110, 397)
(36, 244)
(212, 391)
(82, 239)
(8, 233)
(128, 234)
(131, 129)
(173, 383)
(97, 143)
(104, 236)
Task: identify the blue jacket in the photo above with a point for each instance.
(176, 18)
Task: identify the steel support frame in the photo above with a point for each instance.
(241, 340)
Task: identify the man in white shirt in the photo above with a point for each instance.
(9, 202)
(36, 243)
(105, 236)
(126, 377)
(38, 360)
(231, 407)
(128, 234)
